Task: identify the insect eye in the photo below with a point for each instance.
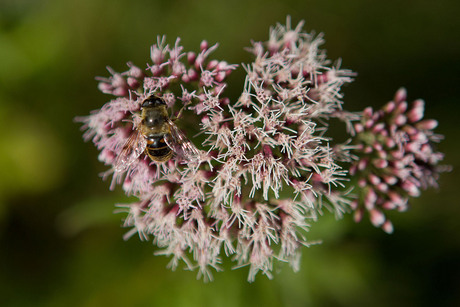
(153, 100)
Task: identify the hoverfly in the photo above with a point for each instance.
(157, 136)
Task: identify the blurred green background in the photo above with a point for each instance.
(62, 246)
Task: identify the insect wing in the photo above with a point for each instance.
(131, 150)
(180, 144)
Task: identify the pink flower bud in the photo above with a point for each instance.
(118, 81)
(352, 169)
(388, 205)
(120, 91)
(369, 123)
(358, 215)
(391, 180)
(204, 45)
(399, 165)
(354, 204)
(193, 74)
(380, 163)
(374, 179)
(272, 46)
(397, 154)
(401, 95)
(410, 130)
(378, 146)
(221, 75)
(156, 70)
(411, 188)
(377, 217)
(401, 107)
(225, 101)
(382, 187)
(178, 69)
(383, 155)
(426, 149)
(419, 137)
(427, 124)
(390, 143)
(105, 87)
(368, 149)
(367, 112)
(205, 119)
(395, 198)
(223, 65)
(362, 164)
(106, 156)
(387, 227)
(400, 120)
(212, 64)
(135, 72)
(378, 128)
(132, 82)
(389, 107)
(199, 61)
(412, 147)
(191, 57)
(370, 199)
(186, 78)
(359, 128)
(416, 113)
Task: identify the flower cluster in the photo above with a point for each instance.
(170, 66)
(396, 158)
(178, 77)
(171, 195)
(275, 160)
(261, 167)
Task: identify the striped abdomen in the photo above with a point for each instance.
(157, 149)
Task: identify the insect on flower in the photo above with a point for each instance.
(157, 136)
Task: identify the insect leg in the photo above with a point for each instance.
(179, 114)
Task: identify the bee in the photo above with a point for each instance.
(157, 136)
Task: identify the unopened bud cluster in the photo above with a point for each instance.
(397, 158)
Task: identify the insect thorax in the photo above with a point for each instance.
(154, 121)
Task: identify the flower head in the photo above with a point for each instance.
(265, 166)
(397, 158)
